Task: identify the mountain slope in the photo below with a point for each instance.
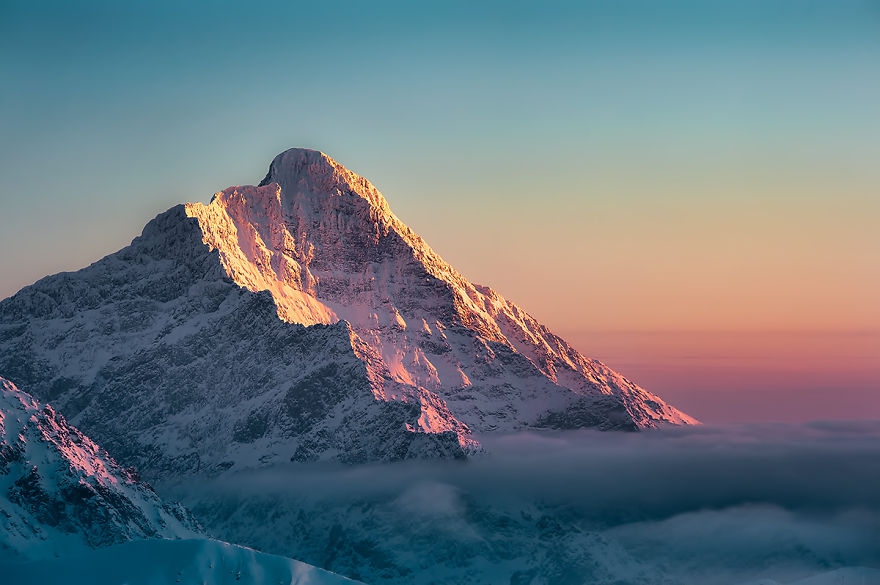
(325, 243)
(175, 369)
(172, 355)
(189, 562)
(60, 492)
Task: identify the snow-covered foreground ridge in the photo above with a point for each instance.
(61, 493)
(172, 354)
(71, 514)
(189, 562)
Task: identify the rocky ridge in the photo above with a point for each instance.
(60, 492)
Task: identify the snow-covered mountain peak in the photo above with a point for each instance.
(19, 411)
(304, 172)
(323, 241)
(184, 324)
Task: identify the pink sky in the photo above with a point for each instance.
(743, 376)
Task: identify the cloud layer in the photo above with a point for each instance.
(709, 504)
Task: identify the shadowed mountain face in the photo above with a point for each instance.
(299, 319)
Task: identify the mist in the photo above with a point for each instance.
(724, 504)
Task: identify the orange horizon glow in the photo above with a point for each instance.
(748, 376)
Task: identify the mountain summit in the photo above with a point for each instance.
(304, 170)
(297, 319)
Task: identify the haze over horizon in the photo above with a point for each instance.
(622, 171)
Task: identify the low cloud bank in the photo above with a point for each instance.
(683, 505)
(819, 467)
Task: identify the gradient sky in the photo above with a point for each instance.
(665, 184)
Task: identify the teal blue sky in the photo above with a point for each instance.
(613, 166)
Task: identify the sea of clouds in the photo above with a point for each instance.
(708, 504)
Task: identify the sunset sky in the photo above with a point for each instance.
(689, 191)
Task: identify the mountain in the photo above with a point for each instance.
(61, 493)
(299, 319)
(71, 514)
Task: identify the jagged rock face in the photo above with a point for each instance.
(175, 369)
(324, 242)
(171, 352)
(59, 490)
